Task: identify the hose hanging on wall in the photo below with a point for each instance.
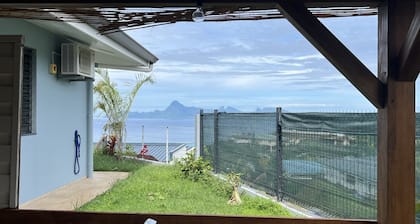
(77, 141)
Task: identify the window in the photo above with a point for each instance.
(28, 81)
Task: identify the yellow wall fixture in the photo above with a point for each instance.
(53, 66)
(53, 69)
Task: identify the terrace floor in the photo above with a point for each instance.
(75, 194)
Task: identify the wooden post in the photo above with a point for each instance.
(216, 142)
(279, 155)
(201, 131)
(167, 145)
(142, 136)
(396, 121)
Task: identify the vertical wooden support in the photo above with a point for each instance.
(396, 121)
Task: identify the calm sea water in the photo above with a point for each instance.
(180, 130)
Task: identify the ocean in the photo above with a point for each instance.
(180, 130)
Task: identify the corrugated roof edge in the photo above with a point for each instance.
(125, 41)
(178, 147)
(133, 46)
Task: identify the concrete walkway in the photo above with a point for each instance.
(74, 195)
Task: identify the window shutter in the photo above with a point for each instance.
(26, 121)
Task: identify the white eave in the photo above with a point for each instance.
(116, 50)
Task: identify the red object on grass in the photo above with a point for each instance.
(143, 151)
(143, 154)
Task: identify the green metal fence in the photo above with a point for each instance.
(330, 162)
(322, 161)
(249, 148)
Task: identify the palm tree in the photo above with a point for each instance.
(113, 105)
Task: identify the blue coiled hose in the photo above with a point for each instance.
(77, 141)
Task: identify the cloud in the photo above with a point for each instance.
(242, 44)
(190, 67)
(307, 57)
(226, 69)
(292, 72)
(241, 82)
(270, 59)
(251, 64)
(210, 49)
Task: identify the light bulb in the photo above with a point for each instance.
(198, 15)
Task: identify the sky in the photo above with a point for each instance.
(249, 65)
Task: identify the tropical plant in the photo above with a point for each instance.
(115, 106)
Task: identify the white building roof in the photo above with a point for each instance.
(114, 50)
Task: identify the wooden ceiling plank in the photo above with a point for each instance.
(409, 57)
(341, 57)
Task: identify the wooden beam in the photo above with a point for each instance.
(396, 121)
(396, 155)
(409, 56)
(341, 57)
(67, 217)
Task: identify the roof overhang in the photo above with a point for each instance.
(114, 50)
(110, 16)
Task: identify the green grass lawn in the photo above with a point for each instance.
(158, 189)
(109, 163)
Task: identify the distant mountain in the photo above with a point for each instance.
(228, 109)
(178, 110)
(174, 110)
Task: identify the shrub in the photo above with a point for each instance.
(129, 151)
(221, 187)
(106, 145)
(194, 169)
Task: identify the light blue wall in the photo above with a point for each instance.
(47, 157)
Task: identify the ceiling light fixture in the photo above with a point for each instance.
(198, 14)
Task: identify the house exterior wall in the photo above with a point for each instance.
(47, 156)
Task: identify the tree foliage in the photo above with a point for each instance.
(114, 105)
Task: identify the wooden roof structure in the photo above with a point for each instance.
(123, 18)
(391, 91)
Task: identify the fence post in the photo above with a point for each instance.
(200, 151)
(279, 157)
(216, 142)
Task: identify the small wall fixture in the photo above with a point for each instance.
(53, 65)
(198, 14)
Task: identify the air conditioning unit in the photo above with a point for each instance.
(77, 62)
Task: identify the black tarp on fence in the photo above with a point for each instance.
(323, 161)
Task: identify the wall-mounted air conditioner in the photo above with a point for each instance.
(77, 62)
